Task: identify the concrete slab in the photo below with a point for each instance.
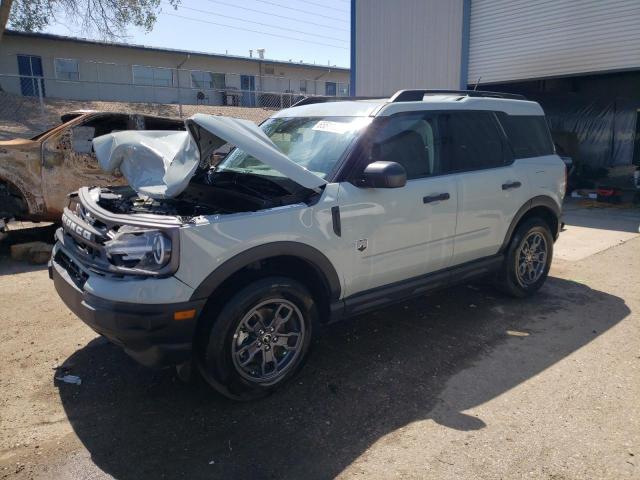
(589, 230)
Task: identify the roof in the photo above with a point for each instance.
(348, 108)
(103, 43)
(385, 106)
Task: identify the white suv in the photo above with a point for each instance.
(331, 208)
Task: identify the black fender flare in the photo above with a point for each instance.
(539, 201)
(311, 255)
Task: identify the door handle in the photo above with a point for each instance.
(436, 198)
(510, 185)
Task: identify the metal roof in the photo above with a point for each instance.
(103, 43)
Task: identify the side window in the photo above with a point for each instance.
(528, 134)
(410, 140)
(81, 137)
(473, 141)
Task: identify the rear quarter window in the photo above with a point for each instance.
(528, 134)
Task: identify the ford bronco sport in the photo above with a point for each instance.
(329, 209)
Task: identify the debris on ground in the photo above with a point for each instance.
(72, 379)
(517, 333)
(3, 229)
(33, 252)
(585, 193)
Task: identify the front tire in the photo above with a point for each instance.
(259, 339)
(528, 259)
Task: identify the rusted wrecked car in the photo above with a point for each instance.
(36, 174)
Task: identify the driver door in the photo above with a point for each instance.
(391, 235)
(68, 161)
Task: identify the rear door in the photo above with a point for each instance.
(390, 235)
(491, 187)
(248, 87)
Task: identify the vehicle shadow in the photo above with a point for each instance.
(365, 378)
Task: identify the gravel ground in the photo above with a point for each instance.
(463, 383)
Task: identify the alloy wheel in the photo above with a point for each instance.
(268, 341)
(531, 259)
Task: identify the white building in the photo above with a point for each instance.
(55, 66)
(579, 59)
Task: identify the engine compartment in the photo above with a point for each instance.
(209, 193)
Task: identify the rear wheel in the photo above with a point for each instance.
(259, 339)
(528, 259)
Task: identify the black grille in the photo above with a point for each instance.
(76, 274)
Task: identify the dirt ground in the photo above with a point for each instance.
(22, 117)
(464, 383)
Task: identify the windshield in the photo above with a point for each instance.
(315, 143)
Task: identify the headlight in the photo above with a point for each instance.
(74, 204)
(139, 249)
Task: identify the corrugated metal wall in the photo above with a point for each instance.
(407, 44)
(528, 39)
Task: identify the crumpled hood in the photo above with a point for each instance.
(160, 164)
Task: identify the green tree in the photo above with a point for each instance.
(106, 18)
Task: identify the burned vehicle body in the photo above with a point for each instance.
(36, 174)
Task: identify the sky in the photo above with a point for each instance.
(314, 31)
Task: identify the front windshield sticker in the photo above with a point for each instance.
(333, 127)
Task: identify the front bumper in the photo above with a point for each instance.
(147, 332)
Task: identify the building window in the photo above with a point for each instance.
(67, 69)
(303, 86)
(154, 76)
(269, 70)
(343, 89)
(207, 80)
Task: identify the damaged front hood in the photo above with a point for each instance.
(160, 164)
(212, 132)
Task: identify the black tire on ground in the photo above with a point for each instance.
(251, 327)
(522, 273)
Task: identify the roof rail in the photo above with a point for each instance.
(318, 99)
(418, 95)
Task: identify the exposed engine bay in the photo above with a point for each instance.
(168, 172)
(209, 193)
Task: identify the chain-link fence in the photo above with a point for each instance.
(27, 116)
(37, 90)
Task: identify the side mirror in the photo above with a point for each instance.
(383, 175)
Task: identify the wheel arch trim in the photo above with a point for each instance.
(315, 258)
(539, 201)
(32, 205)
